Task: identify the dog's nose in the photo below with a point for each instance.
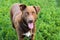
(30, 21)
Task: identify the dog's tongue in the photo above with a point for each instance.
(30, 25)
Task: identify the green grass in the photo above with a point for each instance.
(48, 23)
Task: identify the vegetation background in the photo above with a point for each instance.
(48, 23)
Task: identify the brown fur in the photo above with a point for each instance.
(20, 15)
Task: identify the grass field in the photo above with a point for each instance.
(48, 23)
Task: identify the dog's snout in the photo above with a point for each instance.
(30, 21)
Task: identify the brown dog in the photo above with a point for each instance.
(23, 20)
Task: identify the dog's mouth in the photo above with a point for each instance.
(30, 24)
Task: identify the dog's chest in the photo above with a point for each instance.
(28, 34)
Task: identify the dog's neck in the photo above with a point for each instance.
(24, 26)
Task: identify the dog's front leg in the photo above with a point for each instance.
(19, 34)
(20, 38)
(17, 27)
(33, 35)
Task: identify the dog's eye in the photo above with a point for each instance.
(33, 12)
(27, 13)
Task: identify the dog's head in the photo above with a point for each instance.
(29, 14)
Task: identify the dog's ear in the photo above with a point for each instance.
(37, 8)
(22, 7)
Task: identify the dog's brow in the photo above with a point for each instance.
(33, 12)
